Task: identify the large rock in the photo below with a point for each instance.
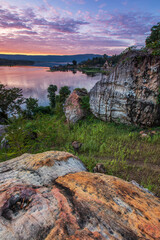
(39, 169)
(37, 204)
(72, 108)
(129, 94)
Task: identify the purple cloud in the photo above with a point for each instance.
(28, 19)
(27, 32)
(11, 20)
(59, 31)
(127, 25)
(61, 25)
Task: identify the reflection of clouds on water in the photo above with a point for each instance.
(35, 80)
(40, 94)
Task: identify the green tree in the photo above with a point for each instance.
(52, 95)
(105, 56)
(10, 101)
(74, 62)
(31, 106)
(63, 94)
(154, 36)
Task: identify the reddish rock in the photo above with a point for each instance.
(72, 108)
(112, 207)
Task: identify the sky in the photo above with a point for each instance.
(67, 27)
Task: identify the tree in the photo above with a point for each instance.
(52, 95)
(63, 94)
(31, 106)
(105, 56)
(74, 62)
(10, 101)
(155, 35)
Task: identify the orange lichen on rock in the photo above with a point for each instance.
(47, 159)
(120, 205)
(67, 226)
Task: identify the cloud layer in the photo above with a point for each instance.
(48, 30)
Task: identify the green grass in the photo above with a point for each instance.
(119, 147)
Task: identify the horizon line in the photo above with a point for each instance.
(32, 54)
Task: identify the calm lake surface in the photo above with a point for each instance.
(35, 80)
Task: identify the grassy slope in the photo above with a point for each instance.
(120, 148)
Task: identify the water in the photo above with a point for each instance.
(35, 80)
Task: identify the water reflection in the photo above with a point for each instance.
(35, 80)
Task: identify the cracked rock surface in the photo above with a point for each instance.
(129, 93)
(51, 196)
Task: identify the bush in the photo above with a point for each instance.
(43, 110)
(31, 107)
(52, 95)
(10, 101)
(85, 103)
(63, 94)
(154, 36)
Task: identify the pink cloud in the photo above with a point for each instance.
(37, 31)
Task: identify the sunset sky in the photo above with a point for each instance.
(66, 27)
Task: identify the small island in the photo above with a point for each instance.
(91, 67)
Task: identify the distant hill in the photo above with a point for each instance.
(50, 60)
(8, 62)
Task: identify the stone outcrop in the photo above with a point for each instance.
(129, 94)
(72, 108)
(37, 204)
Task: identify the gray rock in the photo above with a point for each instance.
(124, 96)
(39, 169)
(140, 187)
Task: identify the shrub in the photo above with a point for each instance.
(52, 95)
(10, 101)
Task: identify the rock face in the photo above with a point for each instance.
(72, 108)
(129, 94)
(37, 204)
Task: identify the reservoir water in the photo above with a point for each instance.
(35, 80)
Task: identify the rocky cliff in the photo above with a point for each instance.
(50, 196)
(129, 93)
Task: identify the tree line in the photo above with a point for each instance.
(11, 100)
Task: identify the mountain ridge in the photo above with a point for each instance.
(49, 60)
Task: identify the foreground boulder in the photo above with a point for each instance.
(130, 93)
(78, 206)
(39, 169)
(72, 108)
